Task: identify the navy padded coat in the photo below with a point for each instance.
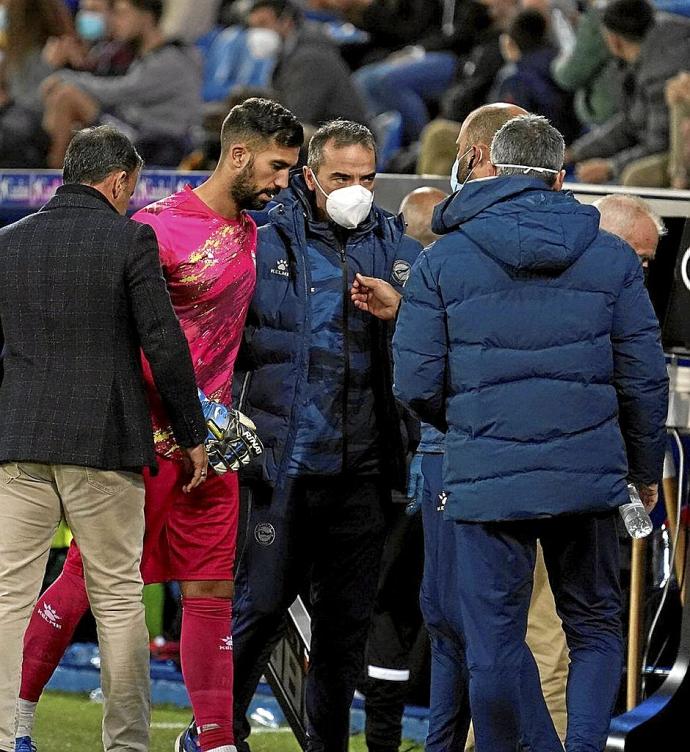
(527, 334)
(270, 383)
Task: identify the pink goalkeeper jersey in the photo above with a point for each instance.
(209, 266)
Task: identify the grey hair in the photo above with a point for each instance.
(623, 208)
(531, 141)
(95, 153)
(342, 133)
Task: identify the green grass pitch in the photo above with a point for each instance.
(72, 723)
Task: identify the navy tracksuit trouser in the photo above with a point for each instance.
(325, 535)
(495, 565)
(440, 597)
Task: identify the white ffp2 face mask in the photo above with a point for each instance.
(263, 43)
(349, 206)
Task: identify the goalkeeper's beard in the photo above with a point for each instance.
(244, 190)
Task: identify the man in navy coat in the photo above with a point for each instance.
(315, 375)
(542, 362)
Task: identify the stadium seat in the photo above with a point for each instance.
(388, 131)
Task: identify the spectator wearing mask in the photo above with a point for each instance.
(93, 49)
(589, 71)
(632, 147)
(526, 80)
(310, 77)
(158, 100)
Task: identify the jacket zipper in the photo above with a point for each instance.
(346, 352)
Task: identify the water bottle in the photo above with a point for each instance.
(635, 516)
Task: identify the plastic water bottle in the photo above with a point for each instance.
(637, 521)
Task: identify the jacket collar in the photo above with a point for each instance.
(78, 195)
(295, 215)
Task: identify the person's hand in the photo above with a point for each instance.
(50, 84)
(196, 461)
(415, 484)
(649, 495)
(375, 296)
(594, 171)
(59, 52)
(54, 53)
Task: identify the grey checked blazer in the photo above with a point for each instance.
(81, 291)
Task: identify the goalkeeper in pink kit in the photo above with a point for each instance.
(207, 249)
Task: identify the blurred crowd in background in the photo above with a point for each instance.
(613, 77)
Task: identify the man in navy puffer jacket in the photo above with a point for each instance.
(541, 359)
(315, 376)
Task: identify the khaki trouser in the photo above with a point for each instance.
(437, 147)
(679, 158)
(648, 172)
(546, 640)
(105, 511)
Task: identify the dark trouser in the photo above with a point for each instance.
(447, 569)
(395, 626)
(449, 706)
(581, 556)
(328, 533)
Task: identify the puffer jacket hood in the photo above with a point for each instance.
(520, 222)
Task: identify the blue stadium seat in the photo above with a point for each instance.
(679, 7)
(388, 131)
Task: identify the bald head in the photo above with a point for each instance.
(417, 208)
(477, 133)
(633, 220)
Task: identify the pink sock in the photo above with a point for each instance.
(55, 617)
(206, 655)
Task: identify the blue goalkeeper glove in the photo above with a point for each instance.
(232, 441)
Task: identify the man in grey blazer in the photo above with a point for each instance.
(81, 291)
